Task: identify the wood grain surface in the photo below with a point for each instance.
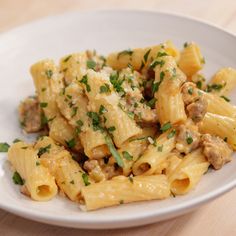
(215, 218)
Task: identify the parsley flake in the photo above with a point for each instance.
(43, 104)
(91, 64)
(84, 81)
(17, 179)
(49, 74)
(71, 143)
(127, 156)
(166, 126)
(43, 150)
(105, 88)
(85, 179)
(4, 147)
(171, 134)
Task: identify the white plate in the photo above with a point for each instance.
(105, 31)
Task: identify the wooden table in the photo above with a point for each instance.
(217, 217)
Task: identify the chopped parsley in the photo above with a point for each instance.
(71, 143)
(79, 126)
(105, 88)
(43, 150)
(91, 64)
(128, 52)
(49, 74)
(162, 54)
(185, 44)
(152, 103)
(225, 98)
(45, 120)
(127, 156)
(4, 147)
(95, 120)
(116, 82)
(216, 87)
(43, 104)
(74, 111)
(72, 182)
(130, 114)
(43, 89)
(85, 179)
(102, 110)
(190, 91)
(84, 81)
(111, 129)
(17, 179)
(171, 134)
(165, 127)
(160, 148)
(203, 61)
(145, 57)
(189, 139)
(113, 151)
(67, 58)
(199, 84)
(37, 163)
(16, 140)
(155, 86)
(138, 139)
(155, 63)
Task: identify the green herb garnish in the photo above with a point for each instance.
(4, 147)
(105, 88)
(43, 104)
(113, 151)
(171, 134)
(43, 150)
(17, 179)
(128, 52)
(145, 57)
(165, 127)
(67, 58)
(127, 156)
(71, 143)
(85, 179)
(225, 98)
(91, 64)
(84, 81)
(49, 74)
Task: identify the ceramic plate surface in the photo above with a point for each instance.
(104, 31)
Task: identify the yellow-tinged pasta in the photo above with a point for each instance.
(63, 133)
(173, 161)
(73, 105)
(168, 80)
(225, 80)
(67, 172)
(39, 182)
(154, 158)
(73, 66)
(139, 58)
(222, 126)
(47, 82)
(131, 150)
(124, 190)
(108, 102)
(191, 59)
(188, 173)
(218, 105)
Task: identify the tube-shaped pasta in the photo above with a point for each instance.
(38, 181)
(73, 105)
(67, 172)
(73, 66)
(191, 59)
(124, 190)
(131, 150)
(218, 105)
(222, 126)
(48, 83)
(47, 80)
(224, 80)
(168, 78)
(155, 155)
(173, 161)
(188, 173)
(139, 58)
(108, 104)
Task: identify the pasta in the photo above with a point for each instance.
(40, 184)
(140, 124)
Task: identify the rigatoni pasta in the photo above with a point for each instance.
(137, 125)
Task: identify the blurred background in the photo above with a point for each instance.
(16, 12)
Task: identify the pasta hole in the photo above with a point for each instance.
(144, 167)
(180, 185)
(43, 190)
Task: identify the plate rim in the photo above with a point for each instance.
(123, 221)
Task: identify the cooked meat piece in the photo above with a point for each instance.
(188, 137)
(99, 171)
(216, 150)
(30, 115)
(190, 93)
(197, 110)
